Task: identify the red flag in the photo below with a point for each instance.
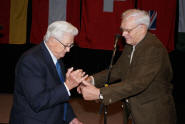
(40, 16)
(162, 13)
(4, 21)
(98, 27)
(39, 20)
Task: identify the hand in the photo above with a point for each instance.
(74, 78)
(75, 121)
(89, 91)
(88, 79)
(79, 88)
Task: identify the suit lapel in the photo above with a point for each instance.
(62, 68)
(49, 62)
(140, 48)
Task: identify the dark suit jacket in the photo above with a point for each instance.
(39, 96)
(145, 82)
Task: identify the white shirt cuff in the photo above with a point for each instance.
(67, 89)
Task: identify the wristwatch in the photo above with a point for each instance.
(101, 96)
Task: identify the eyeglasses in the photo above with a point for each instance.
(65, 46)
(128, 30)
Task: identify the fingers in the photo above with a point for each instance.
(74, 78)
(75, 121)
(79, 89)
(83, 84)
(69, 71)
(78, 72)
(84, 77)
(78, 75)
(86, 83)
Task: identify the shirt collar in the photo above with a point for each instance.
(51, 54)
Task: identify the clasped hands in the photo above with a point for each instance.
(78, 78)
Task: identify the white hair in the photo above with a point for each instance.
(58, 28)
(141, 16)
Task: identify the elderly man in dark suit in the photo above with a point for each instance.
(42, 88)
(145, 73)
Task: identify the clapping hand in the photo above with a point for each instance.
(74, 77)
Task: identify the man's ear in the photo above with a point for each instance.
(144, 26)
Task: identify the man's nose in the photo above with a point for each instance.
(124, 33)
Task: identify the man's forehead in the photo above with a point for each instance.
(127, 22)
(67, 38)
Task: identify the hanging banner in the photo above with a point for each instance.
(181, 16)
(44, 12)
(162, 14)
(4, 21)
(101, 22)
(13, 18)
(18, 19)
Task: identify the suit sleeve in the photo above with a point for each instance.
(31, 75)
(138, 77)
(116, 72)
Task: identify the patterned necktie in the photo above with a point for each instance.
(58, 67)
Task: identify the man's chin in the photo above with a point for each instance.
(62, 55)
(128, 42)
